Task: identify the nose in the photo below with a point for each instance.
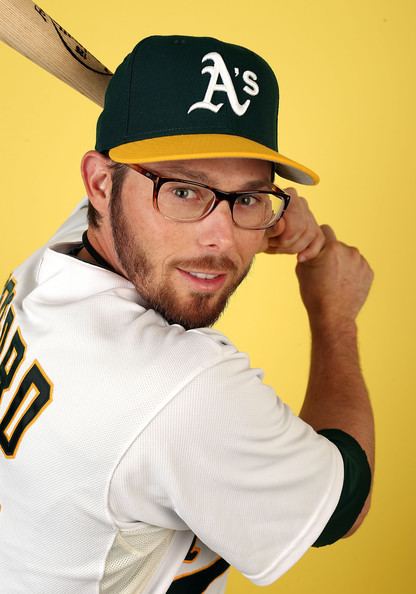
(217, 230)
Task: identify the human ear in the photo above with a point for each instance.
(96, 175)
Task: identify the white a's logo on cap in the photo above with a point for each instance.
(219, 71)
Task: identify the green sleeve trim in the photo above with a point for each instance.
(357, 483)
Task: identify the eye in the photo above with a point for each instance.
(184, 193)
(247, 200)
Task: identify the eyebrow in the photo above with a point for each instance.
(200, 176)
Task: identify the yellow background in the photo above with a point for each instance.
(347, 76)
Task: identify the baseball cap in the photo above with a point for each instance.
(185, 97)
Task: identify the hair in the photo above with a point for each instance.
(118, 173)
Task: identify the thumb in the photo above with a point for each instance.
(329, 233)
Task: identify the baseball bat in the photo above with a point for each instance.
(27, 28)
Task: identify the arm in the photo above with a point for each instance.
(333, 278)
(334, 286)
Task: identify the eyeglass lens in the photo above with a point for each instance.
(186, 202)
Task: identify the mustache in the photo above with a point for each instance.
(223, 263)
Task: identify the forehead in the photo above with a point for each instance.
(212, 171)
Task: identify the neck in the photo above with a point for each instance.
(93, 252)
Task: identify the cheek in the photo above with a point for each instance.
(164, 239)
(251, 243)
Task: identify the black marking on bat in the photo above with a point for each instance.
(42, 13)
(78, 52)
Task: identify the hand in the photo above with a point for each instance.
(335, 284)
(297, 232)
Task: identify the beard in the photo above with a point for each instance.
(198, 310)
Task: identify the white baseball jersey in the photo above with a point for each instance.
(135, 456)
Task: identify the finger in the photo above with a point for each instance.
(292, 192)
(277, 229)
(305, 240)
(297, 238)
(296, 245)
(288, 242)
(271, 250)
(313, 249)
(298, 220)
(329, 233)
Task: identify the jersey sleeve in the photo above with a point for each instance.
(229, 460)
(74, 226)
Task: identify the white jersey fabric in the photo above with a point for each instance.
(137, 457)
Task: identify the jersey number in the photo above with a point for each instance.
(197, 581)
(34, 391)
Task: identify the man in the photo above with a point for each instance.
(141, 453)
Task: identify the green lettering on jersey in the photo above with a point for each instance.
(24, 405)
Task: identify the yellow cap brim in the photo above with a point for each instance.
(210, 146)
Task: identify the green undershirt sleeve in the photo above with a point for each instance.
(357, 483)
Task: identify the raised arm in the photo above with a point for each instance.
(334, 286)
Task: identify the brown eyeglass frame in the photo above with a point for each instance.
(229, 197)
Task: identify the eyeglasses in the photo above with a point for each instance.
(187, 201)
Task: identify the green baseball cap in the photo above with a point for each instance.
(181, 97)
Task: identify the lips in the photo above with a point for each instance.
(203, 281)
